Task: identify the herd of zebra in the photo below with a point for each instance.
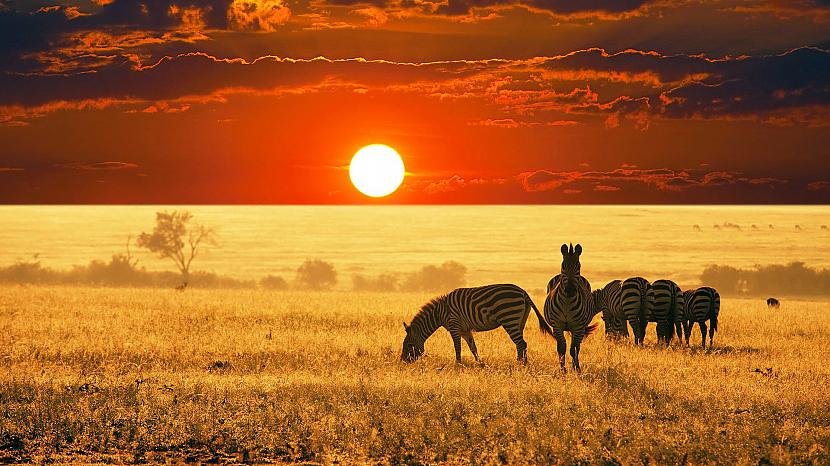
(570, 306)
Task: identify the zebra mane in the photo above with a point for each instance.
(428, 307)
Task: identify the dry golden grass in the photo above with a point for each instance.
(136, 375)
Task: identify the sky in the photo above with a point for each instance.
(487, 101)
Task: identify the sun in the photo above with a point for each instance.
(376, 170)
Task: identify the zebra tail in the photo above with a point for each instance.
(543, 325)
(591, 329)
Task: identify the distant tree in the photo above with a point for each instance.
(383, 282)
(273, 282)
(316, 274)
(449, 275)
(175, 238)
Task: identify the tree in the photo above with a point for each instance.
(316, 274)
(176, 239)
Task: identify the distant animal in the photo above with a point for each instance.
(772, 302)
(696, 227)
(699, 306)
(824, 227)
(608, 301)
(636, 294)
(798, 228)
(467, 310)
(569, 306)
(181, 287)
(665, 307)
(716, 226)
(771, 226)
(754, 227)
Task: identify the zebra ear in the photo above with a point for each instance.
(564, 249)
(578, 249)
(406, 327)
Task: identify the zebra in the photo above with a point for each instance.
(608, 300)
(467, 310)
(569, 306)
(636, 294)
(701, 305)
(665, 308)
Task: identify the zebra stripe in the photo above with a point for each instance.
(467, 310)
(666, 308)
(608, 300)
(636, 294)
(569, 306)
(701, 305)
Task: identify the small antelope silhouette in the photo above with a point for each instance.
(773, 303)
(181, 287)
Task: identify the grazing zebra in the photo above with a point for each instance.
(569, 306)
(772, 302)
(665, 308)
(608, 300)
(701, 305)
(467, 310)
(636, 294)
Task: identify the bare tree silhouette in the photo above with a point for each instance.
(176, 239)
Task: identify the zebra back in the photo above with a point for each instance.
(667, 304)
(608, 300)
(635, 297)
(703, 305)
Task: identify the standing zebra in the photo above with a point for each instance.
(701, 305)
(666, 308)
(569, 306)
(636, 294)
(467, 310)
(608, 300)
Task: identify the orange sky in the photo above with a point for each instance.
(488, 101)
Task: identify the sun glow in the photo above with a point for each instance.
(376, 170)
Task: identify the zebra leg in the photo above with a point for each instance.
(576, 341)
(471, 343)
(712, 326)
(678, 329)
(687, 330)
(456, 342)
(561, 346)
(516, 334)
(703, 334)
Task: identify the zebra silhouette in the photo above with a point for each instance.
(636, 294)
(467, 310)
(701, 305)
(608, 301)
(569, 306)
(665, 308)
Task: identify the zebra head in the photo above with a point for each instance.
(570, 267)
(413, 347)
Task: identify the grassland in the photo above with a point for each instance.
(120, 375)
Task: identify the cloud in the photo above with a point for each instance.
(258, 15)
(819, 186)
(663, 179)
(100, 166)
(627, 88)
(582, 8)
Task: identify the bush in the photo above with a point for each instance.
(794, 279)
(447, 276)
(383, 282)
(316, 274)
(273, 282)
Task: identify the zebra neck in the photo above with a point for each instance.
(427, 321)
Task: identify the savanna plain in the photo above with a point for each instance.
(151, 375)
